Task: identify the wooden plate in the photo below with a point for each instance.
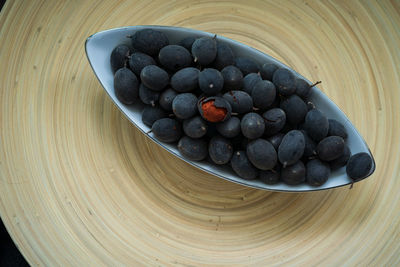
(80, 185)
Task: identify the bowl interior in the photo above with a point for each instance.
(98, 50)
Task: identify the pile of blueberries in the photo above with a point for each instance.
(231, 111)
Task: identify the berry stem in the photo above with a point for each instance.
(314, 84)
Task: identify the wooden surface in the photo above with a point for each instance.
(79, 185)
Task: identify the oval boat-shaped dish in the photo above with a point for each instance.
(98, 50)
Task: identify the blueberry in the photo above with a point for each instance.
(154, 77)
(225, 56)
(126, 86)
(310, 149)
(317, 172)
(291, 148)
(330, 148)
(294, 174)
(211, 81)
(242, 166)
(263, 94)
(175, 57)
(195, 127)
(270, 177)
(233, 78)
(240, 101)
(147, 96)
(193, 149)
(118, 57)
(275, 120)
(337, 129)
(220, 150)
(267, 71)
(295, 109)
(249, 81)
(187, 43)
(229, 128)
(185, 80)
(246, 65)
(184, 105)
(252, 125)
(342, 160)
(167, 130)
(214, 109)
(275, 140)
(204, 50)
(302, 88)
(359, 166)
(149, 41)
(316, 125)
(138, 61)
(166, 99)
(150, 114)
(284, 81)
(261, 154)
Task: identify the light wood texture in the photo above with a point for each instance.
(79, 185)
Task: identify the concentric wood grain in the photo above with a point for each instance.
(79, 185)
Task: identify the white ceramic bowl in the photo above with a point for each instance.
(98, 50)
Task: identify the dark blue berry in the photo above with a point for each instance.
(119, 57)
(246, 65)
(233, 78)
(204, 50)
(317, 172)
(149, 41)
(195, 127)
(154, 77)
(175, 57)
(211, 81)
(316, 125)
(167, 130)
(229, 128)
(126, 86)
(166, 99)
(240, 101)
(242, 166)
(184, 105)
(295, 109)
(150, 114)
(330, 148)
(291, 148)
(263, 94)
(185, 80)
(193, 149)
(220, 150)
(147, 96)
(359, 166)
(252, 125)
(261, 154)
(249, 81)
(267, 71)
(225, 56)
(284, 81)
(275, 120)
(138, 61)
(294, 174)
(337, 129)
(342, 160)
